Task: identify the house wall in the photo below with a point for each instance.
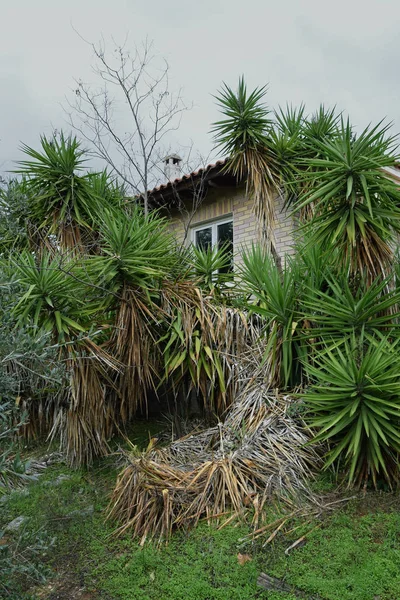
(222, 202)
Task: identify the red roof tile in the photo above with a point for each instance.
(188, 177)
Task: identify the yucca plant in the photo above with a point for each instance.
(294, 138)
(61, 199)
(211, 268)
(354, 404)
(354, 202)
(243, 135)
(52, 299)
(204, 346)
(137, 255)
(55, 297)
(287, 141)
(352, 307)
(274, 294)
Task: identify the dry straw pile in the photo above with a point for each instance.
(257, 455)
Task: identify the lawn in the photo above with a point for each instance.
(64, 550)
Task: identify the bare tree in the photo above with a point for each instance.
(198, 186)
(127, 117)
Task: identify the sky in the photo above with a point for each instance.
(344, 53)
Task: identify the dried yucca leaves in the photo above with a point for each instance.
(256, 456)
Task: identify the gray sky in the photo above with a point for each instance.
(344, 52)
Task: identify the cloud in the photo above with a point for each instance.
(344, 53)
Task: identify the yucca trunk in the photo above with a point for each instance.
(134, 346)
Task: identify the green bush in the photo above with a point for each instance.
(354, 404)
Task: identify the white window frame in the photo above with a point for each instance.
(214, 228)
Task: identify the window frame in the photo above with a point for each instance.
(213, 224)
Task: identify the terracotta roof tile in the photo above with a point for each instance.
(188, 177)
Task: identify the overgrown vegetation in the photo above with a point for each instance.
(352, 554)
(291, 361)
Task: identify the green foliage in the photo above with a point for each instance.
(351, 307)
(13, 470)
(210, 268)
(135, 249)
(51, 297)
(354, 403)
(14, 216)
(354, 202)
(28, 369)
(274, 294)
(246, 123)
(293, 139)
(244, 136)
(61, 198)
(352, 556)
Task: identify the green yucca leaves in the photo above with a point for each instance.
(246, 123)
(211, 267)
(61, 197)
(52, 298)
(354, 403)
(353, 202)
(344, 308)
(293, 139)
(135, 249)
(274, 294)
(244, 136)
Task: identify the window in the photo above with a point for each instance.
(218, 233)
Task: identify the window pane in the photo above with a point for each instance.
(225, 238)
(203, 238)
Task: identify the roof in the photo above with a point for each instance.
(214, 169)
(169, 185)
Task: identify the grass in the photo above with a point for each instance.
(64, 550)
(355, 555)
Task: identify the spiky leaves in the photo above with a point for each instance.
(55, 297)
(211, 268)
(354, 202)
(52, 299)
(354, 403)
(243, 135)
(202, 344)
(274, 294)
(61, 199)
(137, 254)
(344, 309)
(135, 249)
(294, 138)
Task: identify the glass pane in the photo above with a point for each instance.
(203, 238)
(225, 238)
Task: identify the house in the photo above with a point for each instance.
(208, 207)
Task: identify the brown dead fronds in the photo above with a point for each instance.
(258, 455)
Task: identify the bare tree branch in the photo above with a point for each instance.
(129, 115)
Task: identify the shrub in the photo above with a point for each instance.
(354, 404)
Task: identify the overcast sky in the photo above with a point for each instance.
(344, 52)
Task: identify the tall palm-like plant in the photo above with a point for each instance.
(60, 196)
(55, 297)
(243, 135)
(355, 203)
(293, 140)
(137, 255)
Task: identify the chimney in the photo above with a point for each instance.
(172, 167)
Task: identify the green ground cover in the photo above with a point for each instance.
(64, 550)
